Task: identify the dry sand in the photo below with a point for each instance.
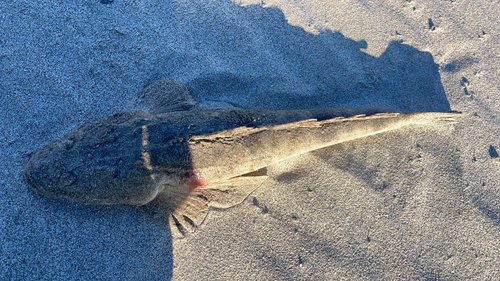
(415, 204)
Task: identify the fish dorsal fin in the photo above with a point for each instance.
(243, 131)
(166, 95)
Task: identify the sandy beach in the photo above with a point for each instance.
(419, 203)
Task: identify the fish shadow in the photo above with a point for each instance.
(300, 70)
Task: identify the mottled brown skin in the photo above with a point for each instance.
(101, 162)
(192, 159)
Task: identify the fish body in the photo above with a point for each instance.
(192, 159)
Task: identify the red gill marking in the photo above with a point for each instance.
(193, 179)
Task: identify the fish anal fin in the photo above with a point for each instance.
(259, 172)
(231, 192)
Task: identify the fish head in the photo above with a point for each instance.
(99, 163)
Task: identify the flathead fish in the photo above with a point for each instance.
(188, 159)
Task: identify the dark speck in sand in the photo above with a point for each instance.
(432, 27)
(493, 152)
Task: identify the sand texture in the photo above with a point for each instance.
(419, 203)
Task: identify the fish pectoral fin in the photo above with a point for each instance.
(189, 214)
(166, 95)
(183, 210)
(230, 192)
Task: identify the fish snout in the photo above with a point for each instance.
(45, 175)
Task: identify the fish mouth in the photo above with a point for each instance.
(36, 178)
(32, 181)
